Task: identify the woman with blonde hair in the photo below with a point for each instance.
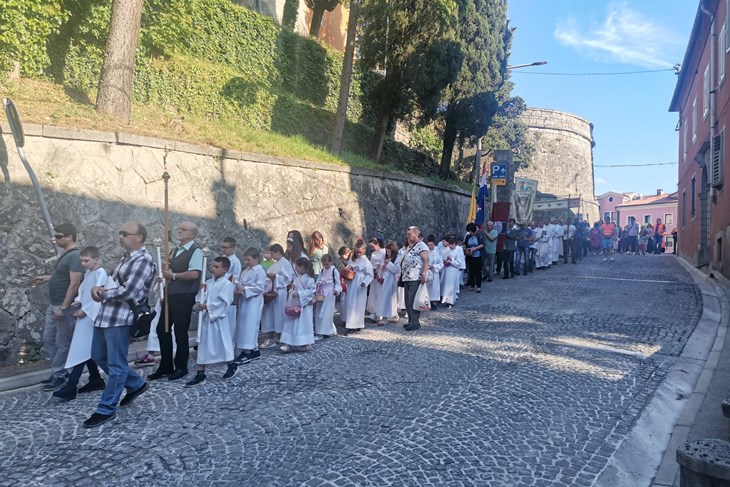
(317, 249)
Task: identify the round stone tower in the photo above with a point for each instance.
(563, 158)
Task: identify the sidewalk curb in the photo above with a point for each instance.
(646, 456)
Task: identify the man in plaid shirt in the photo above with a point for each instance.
(133, 279)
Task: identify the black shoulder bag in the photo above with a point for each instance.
(142, 316)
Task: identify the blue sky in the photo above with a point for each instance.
(630, 115)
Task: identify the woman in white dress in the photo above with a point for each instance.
(328, 286)
(298, 332)
(387, 307)
(377, 260)
(357, 289)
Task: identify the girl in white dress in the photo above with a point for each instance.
(388, 302)
(357, 289)
(328, 285)
(377, 260)
(298, 332)
(435, 264)
(452, 273)
(251, 287)
(281, 275)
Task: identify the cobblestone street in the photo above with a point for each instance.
(535, 381)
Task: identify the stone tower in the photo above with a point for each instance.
(563, 159)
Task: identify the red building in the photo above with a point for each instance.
(702, 99)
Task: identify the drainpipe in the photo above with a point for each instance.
(713, 124)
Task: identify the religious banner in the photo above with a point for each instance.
(523, 199)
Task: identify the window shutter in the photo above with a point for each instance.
(717, 151)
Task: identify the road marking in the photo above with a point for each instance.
(631, 280)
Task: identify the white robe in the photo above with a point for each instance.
(232, 275)
(324, 312)
(462, 267)
(436, 265)
(216, 344)
(388, 299)
(542, 256)
(356, 293)
(452, 275)
(299, 330)
(80, 349)
(377, 260)
(250, 307)
(272, 319)
(556, 241)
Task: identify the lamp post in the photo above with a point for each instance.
(536, 63)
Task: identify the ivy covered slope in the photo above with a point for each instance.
(204, 60)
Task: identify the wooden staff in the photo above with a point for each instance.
(166, 179)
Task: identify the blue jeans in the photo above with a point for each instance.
(109, 350)
(658, 244)
(522, 255)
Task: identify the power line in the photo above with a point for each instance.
(619, 73)
(638, 165)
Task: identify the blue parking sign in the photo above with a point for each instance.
(499, 174)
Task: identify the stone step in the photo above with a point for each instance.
(704, 463)
(726, 407)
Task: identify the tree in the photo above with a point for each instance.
(290, 14)
(471, 101)
(319, 7)
(412, 42)
(508, 131)
(338, 131)
(117, 73)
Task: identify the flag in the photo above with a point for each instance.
(472, 208)
(482, 198)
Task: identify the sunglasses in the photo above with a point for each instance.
(57, 237)
(127, 234)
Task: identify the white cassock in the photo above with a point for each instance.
(357, 293)
(543, 257)
(377, 260)
(232, 276)
(388, 299)
(299, 330)
(324, 312)
(215, 344)
(80, 349)
(250, 307)
(556, 242)
(451, 276)
(462, 267)
(272, 319)
(436, 265)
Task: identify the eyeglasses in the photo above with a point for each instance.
(124, 234)
(58, 237)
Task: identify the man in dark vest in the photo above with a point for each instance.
(183, 281)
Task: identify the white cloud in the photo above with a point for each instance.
(601, 182)
(625, 36)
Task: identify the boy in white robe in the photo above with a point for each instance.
(298, 332)
(345, 253)
(357, 289)
(215, 344)
(377, 260)
(435, 264)
(281, 275)
(79, 352)
(462, 265)
(328, 285)
(228, 249)
(388, 300)
(250, 288)
(451, 273)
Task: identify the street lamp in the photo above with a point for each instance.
(536, 63)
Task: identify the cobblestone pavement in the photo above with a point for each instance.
(535, 381)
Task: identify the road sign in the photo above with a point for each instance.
(499, 174)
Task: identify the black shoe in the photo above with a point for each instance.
(178, 374)
(352, 331)
(97, 419)
(505, 277)
(489, 279)
(242, 359)
(198, 379)
(65, 393)
(93, 385)
(158, 374)
(48, 381)
(230, 372)
(130, 396)
(56, 383)
(254, 355)
(412, 328)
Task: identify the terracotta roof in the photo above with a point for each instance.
(651, 200)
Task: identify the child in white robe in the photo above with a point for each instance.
(345, 253)
(388, 300)
(451, 276)
(298, 332)
(377, 260)
(435, 265)
(357, 289)
(228, 250)
(281, 275)
(328, 285)
(79, 352)
(251, 287)
(215, 344)
(462, 265)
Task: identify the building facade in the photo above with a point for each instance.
(607, 203)
(702, 100)
(648, 209)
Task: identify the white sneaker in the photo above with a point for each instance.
(605, 259)
(269, 343)
(318, 338)
(611, 259)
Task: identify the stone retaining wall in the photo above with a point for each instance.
(99, 180)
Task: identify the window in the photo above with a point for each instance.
(692, 195)
(721, 56)
(606, 216)
(706, 93)
(684, 139)
(684, 208)
(613, 216)
(694, 120)
(669, 218)
(647, 219)
(610, 199)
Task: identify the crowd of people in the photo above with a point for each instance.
(286, 297)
